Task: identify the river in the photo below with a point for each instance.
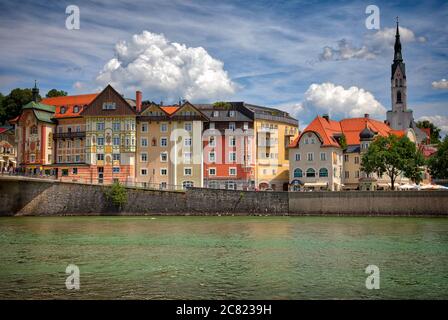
(223, 257)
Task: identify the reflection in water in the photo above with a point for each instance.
(223, 257)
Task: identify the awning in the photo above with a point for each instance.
(315, 184)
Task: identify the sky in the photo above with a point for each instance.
(305, 57)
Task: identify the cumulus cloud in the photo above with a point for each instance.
(438, 121)
(338, 102)
(151, 63)
(442, 84)
(344, 51)
(373, 45)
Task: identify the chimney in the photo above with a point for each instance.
(138, 101)
(326, 117)
(366, 115)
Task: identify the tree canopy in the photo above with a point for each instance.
(11, 105)
(435, 131)
(56, 93)
(438, 163)
(393, 156)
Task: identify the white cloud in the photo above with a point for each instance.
(151, 63)
(338, 102)
(373, 45)
(442, 84)
(78, 85)
(345, 51)
(438, 121)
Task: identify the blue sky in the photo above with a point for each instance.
(263, 52)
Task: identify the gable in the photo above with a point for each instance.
(109, 103)
(153, 110)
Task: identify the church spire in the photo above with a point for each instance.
(35, 92)
(397, 47)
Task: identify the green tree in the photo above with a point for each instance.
(343, 141)
(12, 104)
(117, 195)
(56, 93)
(438, 162)
(393, 156)
(222, 105)
(435, 131)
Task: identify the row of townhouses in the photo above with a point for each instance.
(102, 138)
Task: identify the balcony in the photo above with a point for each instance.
(69, 135)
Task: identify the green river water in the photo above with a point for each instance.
(223, 257)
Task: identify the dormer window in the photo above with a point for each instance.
(75, 109)
(215, 114)
(109, 106)
(63, 110)
(231, 113)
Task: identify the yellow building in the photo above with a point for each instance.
(169, 147)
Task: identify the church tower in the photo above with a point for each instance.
(399, 117)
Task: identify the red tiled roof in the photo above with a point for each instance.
(68, 102)
(169, 109)
(351, 128)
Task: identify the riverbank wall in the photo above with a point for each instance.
(36, 197)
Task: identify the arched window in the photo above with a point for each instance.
(298, 173)
(398, 96)
(62, 110)
(310, 173)
(75, 109)
(187, 184)
(396, 82)
(323, 172)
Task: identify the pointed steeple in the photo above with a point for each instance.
(35, 92)
(397, 47)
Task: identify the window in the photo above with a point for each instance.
(188, 126)
(245, 126)
(211, 157)
(100, 142)
(109, 106)
(187, 157)
(297, 156)
(232, 156)
(69, 158)
(163, 127)
(143, 157)
(116, 169)
(230, 185)
(187, 184)
(163, 142)
(75, 171)
(323, 156)
(163, 171)
(116, 141)
(346, 157)
(63, 110)
(212, 142)
(398, 96)
(212, 171)
(231, 113)
(162, 185)
(232, 171)
(357, 174)
(100, 126)
(59, 159)
(323, 172)
(144, 127)
(232, 141)
(64, 172)
(78, 128)
(298, 173)
(163, 157)
(187, 142)
(347, 174)
(116, 126)
(188, 171)
(144, 142)
(116, 156)
(77, 158)
(99, 156)
(215, 114)
(34, 130)
(356, 160)
(310, 156)
(212, 125)
(232, 125)
(310, 173)
(143, 172)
